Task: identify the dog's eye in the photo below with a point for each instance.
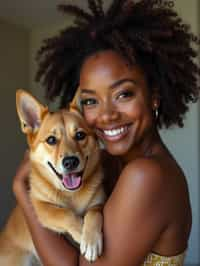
(51, 140)
(80, 135)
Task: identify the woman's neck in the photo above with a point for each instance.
(145, 148)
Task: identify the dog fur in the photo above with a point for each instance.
(65, 182)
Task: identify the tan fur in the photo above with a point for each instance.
(76, 212)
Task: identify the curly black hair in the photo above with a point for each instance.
(147, 32)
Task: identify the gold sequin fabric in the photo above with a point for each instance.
(157, 260)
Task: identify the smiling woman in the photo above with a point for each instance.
(129, 67)
(117, 102)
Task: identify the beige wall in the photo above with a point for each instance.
(37, 36)
(14, 73)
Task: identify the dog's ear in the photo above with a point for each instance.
(30, 111)
(75, 105)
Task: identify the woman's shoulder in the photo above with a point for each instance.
(143, 183)
(144, 197)
(157, 179)
(153, 179)
(149, 171)
(161, 169)
(139, 199)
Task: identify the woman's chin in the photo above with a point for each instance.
(116, 149)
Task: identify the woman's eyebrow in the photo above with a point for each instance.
(114, 85)
(121, 81)
(87, 91)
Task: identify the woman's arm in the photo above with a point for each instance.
(133, 221)
(135, 215)
(52, 249)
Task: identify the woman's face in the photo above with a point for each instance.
(116, 101)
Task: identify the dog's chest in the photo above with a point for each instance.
(77, 204)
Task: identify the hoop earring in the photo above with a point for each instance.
(156, 113)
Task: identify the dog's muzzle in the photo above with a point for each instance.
(70, 163)
(71, 180)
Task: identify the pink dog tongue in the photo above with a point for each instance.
(71, 181)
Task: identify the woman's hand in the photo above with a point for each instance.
(20, 182)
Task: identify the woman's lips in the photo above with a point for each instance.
(114, 134)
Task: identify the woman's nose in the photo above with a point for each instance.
(108, 113)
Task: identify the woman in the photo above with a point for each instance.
(131, 67)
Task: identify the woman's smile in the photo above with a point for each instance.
(114, 134)
(116, 101)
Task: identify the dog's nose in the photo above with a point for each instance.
(70, 162)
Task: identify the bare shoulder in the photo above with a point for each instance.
(145, 166)
(138, 213)
(145, 175)
(156, 184)
(135, 212)
(143, 188)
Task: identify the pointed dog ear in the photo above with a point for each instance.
(75, 105)
(30, 111)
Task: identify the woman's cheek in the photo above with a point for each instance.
(89, 116)
(132, 109)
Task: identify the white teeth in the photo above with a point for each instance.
(114, 132)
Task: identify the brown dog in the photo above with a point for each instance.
(65, 182)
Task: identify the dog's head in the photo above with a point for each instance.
(63, 149)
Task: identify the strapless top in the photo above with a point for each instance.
(157, 260)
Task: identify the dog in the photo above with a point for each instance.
(65, 181)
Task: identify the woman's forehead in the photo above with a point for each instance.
(104, 58)
(107, 66)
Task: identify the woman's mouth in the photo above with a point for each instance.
(114, 134)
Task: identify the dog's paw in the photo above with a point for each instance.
(91, 246)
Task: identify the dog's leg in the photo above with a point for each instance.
(15, 258)
(60, 220)
(12, 255)
(92, 236)
(16, 245)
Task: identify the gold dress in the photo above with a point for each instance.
(156, 260)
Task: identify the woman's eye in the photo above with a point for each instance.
(125, 94)
(51, 140)
(80, 135)
(88, 102)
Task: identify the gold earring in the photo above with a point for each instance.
(156, 106)
(156, 113)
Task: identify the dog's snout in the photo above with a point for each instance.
(70, 162)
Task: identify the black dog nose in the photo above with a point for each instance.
(70, 162)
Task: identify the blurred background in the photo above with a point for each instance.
(23, 26)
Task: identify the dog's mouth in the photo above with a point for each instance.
(71, 181)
